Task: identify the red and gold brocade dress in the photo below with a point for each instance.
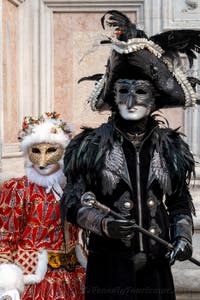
(30, 223)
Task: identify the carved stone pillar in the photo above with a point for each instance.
(1, 85)
(185, 15)
(26, 72)
(36, 58)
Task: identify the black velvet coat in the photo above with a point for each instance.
(165, 165)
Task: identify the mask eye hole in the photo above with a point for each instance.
(141, 92)
(123, 91)
(51, 150)
(35, 150)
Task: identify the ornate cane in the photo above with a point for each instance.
(89, 199)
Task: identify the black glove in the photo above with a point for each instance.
(118, 229)
(181, 234)
(182, 251)
(90, 219)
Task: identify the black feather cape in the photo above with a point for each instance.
(85, 153)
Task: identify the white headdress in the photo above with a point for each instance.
(47, 128)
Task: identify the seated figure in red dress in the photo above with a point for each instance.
(36, 261)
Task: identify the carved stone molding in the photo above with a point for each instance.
(180, 14)
(152, 16)
(98, 6)
(192, 4)
(92, 5)
(16, 2)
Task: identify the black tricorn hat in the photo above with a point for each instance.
(135, 56)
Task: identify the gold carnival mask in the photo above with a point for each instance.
(45, 157)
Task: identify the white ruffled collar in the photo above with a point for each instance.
(52, 183)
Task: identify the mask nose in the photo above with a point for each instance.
(131, 101)
(42, 162)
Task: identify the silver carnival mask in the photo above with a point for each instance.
(45, 157)
(134, 98)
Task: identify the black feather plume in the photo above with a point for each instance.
(185, 41)
(126, 29)
(193, 81)
(198, 101)
(95, 77)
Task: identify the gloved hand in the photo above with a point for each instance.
(118, 229)
(181, 234)
(182, 251)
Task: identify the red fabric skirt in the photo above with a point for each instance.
(58, 284)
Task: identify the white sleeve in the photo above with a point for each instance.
(11, 294)
(11, 279)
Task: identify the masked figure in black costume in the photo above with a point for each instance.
(135, 165)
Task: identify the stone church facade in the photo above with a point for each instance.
(47, 45)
